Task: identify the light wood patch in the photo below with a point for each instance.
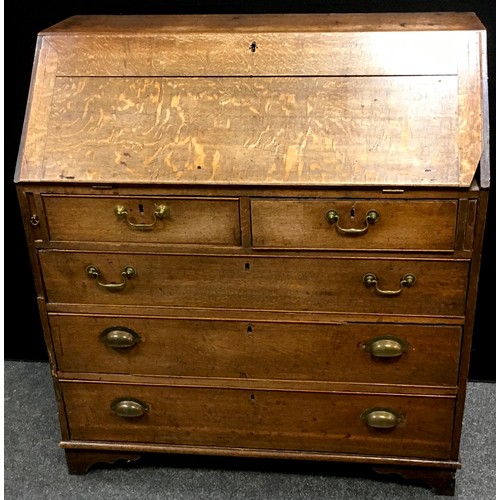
(312, 131)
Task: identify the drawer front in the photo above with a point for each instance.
(259, 419)
(143, 220)
(354, 224)
(262, 283)
(259, 350)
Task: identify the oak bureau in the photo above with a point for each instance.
(259, 235)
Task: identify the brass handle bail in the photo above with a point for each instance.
(161, 212)
(128, 273)
(332, 216)
(370, 279)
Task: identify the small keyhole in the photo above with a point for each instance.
(252, 398)
(253, 46)
(352, 212)
(249, 329)
(141, 208)
(247, 266)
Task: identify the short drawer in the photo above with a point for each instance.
(364, 353)
(245, 418)
(326, 284)
(143, 220)
(402, 225)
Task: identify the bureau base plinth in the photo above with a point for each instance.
(442, 481)
(440, 478)
(80, 461)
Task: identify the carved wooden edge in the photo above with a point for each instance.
(80, 461)
(441, 481)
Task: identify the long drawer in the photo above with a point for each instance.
(408, 225)
(421, 426)
(352, 285)
(365, 353)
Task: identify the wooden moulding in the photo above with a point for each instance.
(117, 189)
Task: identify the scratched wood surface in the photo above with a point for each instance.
(254, 131)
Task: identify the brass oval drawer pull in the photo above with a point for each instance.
(387, 346)
(161, 212)
(381, 418)
(129, 407)
(119, 337)
(128, 273)
(370, 279)
(333, 217)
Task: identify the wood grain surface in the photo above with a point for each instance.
(192, 221)
(256, 349)
(251, 309)
(254, 131)
(180, 125)
(405, 225)
(260, 419)
(258, 283)
(283, 22)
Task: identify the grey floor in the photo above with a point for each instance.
(35, 467)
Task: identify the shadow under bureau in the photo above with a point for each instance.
(259, 235)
